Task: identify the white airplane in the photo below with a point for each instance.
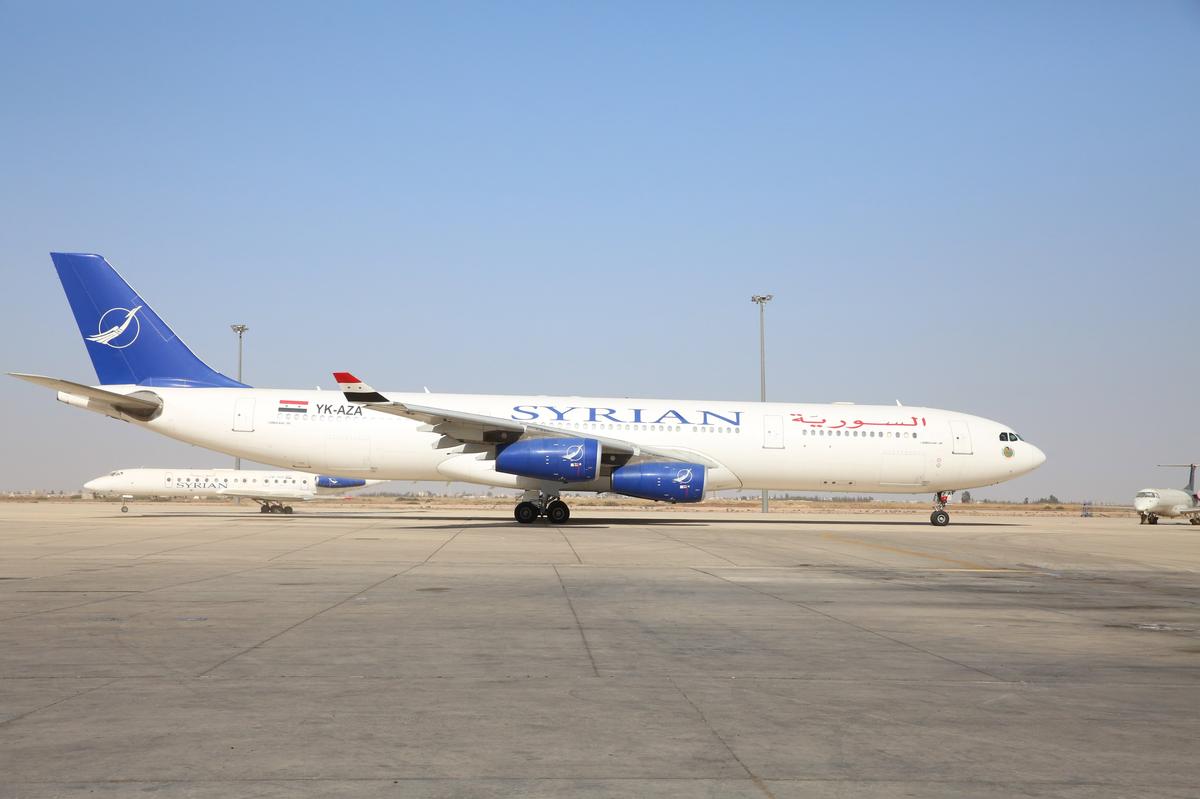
(665, 450)
(1153, 503)
(269, 489)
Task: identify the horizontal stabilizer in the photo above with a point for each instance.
(142, 407)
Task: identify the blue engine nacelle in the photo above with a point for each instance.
(325, 481)
(566, 460)
(663, 482)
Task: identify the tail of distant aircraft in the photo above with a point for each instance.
(127, 341)
(1191, 484)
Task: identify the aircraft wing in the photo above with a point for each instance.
(142, 407)
(461, 427)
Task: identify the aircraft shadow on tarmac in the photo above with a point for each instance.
(578, 524)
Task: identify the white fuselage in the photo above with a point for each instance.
(208, 482)
(806, 447)
(1162, 502)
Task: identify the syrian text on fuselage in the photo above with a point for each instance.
(589, 413)
(201, 483)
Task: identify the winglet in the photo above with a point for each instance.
(356, 390)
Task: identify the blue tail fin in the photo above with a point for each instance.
(127, 341)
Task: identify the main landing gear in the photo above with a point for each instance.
(535, 504)
(1150, 518)
(939, 517)
(270, 506)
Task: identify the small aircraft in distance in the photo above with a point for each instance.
(271, 490)
(1152, 503)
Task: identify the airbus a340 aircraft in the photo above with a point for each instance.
(1151, 503)
(665, 450)
(269, 489)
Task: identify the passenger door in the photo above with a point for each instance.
(962, 437)
(243, 415)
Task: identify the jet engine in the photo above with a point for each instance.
(566, 460)
(325, 481)
(662, 482)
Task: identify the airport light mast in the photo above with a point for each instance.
(761, 300)
(241, 331)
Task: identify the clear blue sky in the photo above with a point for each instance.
(991, 207)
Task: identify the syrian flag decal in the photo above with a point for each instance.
(293, 406)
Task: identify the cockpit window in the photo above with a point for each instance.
(1004, 436)
(1148, 494)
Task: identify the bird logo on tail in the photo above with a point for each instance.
(114, 336)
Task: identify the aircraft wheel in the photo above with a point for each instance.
(1153, 520)
(939, 518)
(1194, 520)
(1141, 518)
(557, 512)
(286, 509)
(526, 513)
(264, 508)
(124, 509)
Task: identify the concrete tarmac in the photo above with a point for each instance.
(200, 651)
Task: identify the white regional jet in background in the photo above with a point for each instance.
(1152, 503)
(269, 489)
(665, 450)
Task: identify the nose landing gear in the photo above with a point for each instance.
(939, 517)
(535, 504)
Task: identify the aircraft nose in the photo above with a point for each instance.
(92, 485)
(1036, 457)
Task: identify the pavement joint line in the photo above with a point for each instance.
(75, 695)
(595, 778)
(132, 593)
(697, 546)
(719, 678)
(111, 544)
(210, 542)
(362, 529)
(578, 625)
(966, 564)
(868, 630)
(563, 533)
(288, 629)
(754, 778)
(440, 547)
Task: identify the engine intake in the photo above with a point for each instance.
(567, 460)
(662, 482)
